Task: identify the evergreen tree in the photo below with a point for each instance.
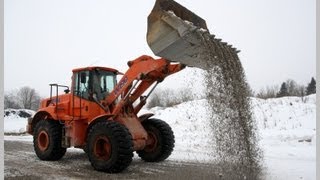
(283, 90)
(311, 89)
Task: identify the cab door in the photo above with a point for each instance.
(83, 106)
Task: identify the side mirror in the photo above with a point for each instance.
(83, 78)
(66, 91)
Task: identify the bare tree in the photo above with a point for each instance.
(170, 97)
(301, 92)
(268, 92)
(28, 98)
(11, 101)
(289, 88)
(292, 87)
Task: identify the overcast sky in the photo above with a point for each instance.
(45, 39)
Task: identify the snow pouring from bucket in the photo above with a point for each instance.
(234, 129)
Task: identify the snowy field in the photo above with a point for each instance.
(288, 136)
(287, 128)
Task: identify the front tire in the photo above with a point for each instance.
(47, 140)
(160, 142)
(110, 147)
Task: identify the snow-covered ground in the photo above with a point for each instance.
(288, 131)
(15, 121)
(287, 128)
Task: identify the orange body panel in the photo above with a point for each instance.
(78, 113)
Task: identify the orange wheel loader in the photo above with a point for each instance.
(99, 114)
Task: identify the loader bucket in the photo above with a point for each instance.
(177, 34)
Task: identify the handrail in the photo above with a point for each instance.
(57, 91)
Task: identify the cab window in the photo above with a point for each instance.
(81, 89)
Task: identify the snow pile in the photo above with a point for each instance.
(22, 113)
(15, 120)
(287, 129)
(287, 118)
(191, 128)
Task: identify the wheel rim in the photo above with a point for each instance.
(43, 140)
(102, 148)
(151, 142)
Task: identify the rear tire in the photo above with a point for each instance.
(161, 141)
(47, 140)
(110, 146)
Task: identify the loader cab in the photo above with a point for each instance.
(94, 82)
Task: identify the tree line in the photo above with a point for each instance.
(23, 98)
(287, 88)
(28, 98)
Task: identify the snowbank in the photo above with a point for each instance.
(15, 120)
(290, 119)
(285, 113)
(189, 122)
(287, 129)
